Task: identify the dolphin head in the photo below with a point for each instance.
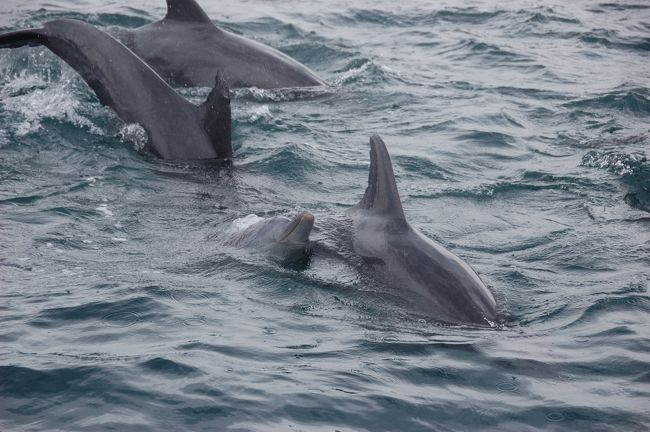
(297, 230)
(278, 234)
(290, 245)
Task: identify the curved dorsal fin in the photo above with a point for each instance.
(185, 10)
(381, 194)
(216, 116)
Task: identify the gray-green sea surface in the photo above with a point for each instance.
(519, 133)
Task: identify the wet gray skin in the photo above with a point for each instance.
(177, 129)
(186, 49)
(432, 280)
(277, 234)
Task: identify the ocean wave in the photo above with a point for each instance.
(362, 71)
(421, 17)
(131, 17)
(487, 53)
(611, 39)
(282, 95)
(120, 313)
(624, 6)
(171, 368)
(488, 139)
(621, 164)
(635, 101)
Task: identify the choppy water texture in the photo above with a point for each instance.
(519, 133)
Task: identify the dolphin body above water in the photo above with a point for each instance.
(432, 281)
(177, 129)
(187, 49)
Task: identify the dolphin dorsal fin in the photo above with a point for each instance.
(185, 10)
(216, 116)
(381, 194)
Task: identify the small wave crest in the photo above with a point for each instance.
(254, 113)
(282, 94)
(619, 163)
(291, 161)
(490, 53)
(634, 101)
(134, 134)
(382, 18)
(363, 71)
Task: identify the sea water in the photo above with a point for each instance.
(519, 137)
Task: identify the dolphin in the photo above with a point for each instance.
(186, 49)
(177, 129)
(277, 234)
(434, 281)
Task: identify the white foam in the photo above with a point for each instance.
(243, 223)
(103, 208)
(23, 128)
(135, 134)
(55, 101)
(22, 82)
(621, 164)
(256, 113)
(352, 74)
(281, 94)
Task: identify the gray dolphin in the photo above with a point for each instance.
(176, 128)
(433, 280)
(186, 49)
(277, 234)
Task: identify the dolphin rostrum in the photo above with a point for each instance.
(177, 129)
(187, 49)
(433, 280)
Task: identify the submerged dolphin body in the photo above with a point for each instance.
(433, 281)
(276, 234)
(177, 129)
(186, 49)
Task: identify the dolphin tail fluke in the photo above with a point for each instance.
(217, 117)
(381, 194)
(185, 10)
(21, 38)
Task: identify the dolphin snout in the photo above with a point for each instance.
(299, 228)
